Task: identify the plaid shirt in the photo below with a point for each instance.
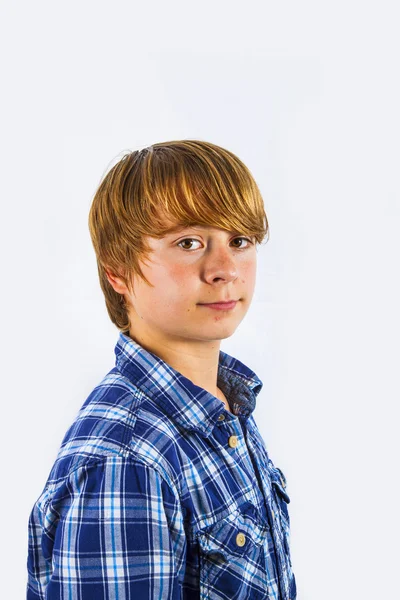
(158, 492)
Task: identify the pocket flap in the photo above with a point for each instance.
(278, 479)
(235, 535)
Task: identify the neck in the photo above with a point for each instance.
(199, 363)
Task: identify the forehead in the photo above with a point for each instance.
(177, 228)
(174, 226)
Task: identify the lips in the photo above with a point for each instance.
(218, 302)
(221, 305)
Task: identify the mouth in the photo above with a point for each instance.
(221, 305)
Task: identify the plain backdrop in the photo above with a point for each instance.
(307, 94)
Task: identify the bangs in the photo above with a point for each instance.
(194, 183)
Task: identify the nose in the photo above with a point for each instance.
(220, 264)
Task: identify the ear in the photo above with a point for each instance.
(116, 283)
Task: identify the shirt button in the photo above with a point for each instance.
(240, 539)
(233, 441)
(221, 417)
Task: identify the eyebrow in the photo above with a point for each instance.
(182, 227)
(178, 228)
(175, 229)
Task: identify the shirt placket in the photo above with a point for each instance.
(234, 441)
(241, 448)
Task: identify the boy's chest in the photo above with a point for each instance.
(235, 510)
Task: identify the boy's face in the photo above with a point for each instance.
(212, 266)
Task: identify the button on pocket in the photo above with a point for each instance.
(240, 539)
(232, 560)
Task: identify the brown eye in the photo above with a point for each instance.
(186, 240)
(243, 238)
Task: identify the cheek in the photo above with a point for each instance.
(248, 272)
(177, 277)
(170, 282)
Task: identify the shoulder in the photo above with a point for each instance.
(103, 489)
(118, 424)
(101, 428)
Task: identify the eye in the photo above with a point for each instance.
(250, 243)
(186, 240)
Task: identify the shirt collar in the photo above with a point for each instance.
(190, 405)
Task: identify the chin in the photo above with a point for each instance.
(223, 334)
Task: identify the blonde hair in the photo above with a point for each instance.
(190, 182)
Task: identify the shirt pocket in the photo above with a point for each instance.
(232, 559)
(282, 500)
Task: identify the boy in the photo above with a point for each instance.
(163, 487)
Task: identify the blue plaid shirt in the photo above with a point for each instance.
(158, 492)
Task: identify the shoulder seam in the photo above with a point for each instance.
(129, 457)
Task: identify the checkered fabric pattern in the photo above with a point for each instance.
(158, 492)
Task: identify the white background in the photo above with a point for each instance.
(307, 94)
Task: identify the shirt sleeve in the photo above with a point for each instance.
(113, 530)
